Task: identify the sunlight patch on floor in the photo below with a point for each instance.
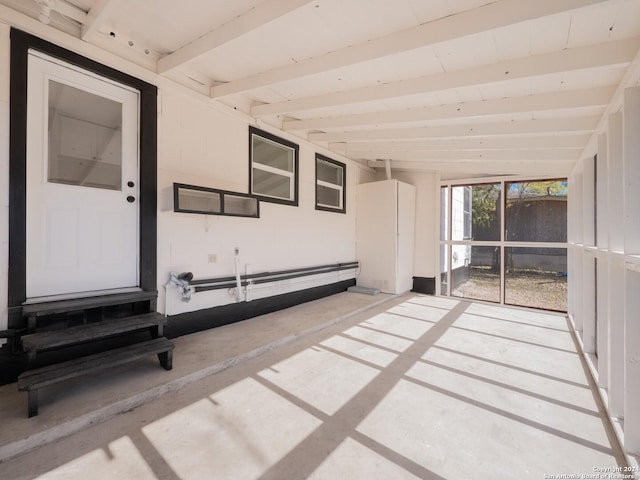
(353, 461)
(119, 459)
(549, 362)
(239, 432)
(456, 438)
(322, 379)
(359, 350)
(488, 393)
(377, 338)
(401, 326)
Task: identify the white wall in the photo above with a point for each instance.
(203, 142)
(616, 248)
(200, 144)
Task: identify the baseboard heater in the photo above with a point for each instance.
(218, 283)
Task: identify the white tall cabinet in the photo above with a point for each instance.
(385, 227)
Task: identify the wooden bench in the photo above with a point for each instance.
(35, 310)
(54, 339)
(32, 380)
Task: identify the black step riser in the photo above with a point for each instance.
(33, 380)
(141, 305)
(79, 304)
(38, 342)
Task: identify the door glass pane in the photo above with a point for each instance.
(536, 211)
(475, 212)
(85, 138)
(475, 272)
(536, 277)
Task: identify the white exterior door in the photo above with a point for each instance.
(82, 181)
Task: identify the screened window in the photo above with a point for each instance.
(212, 201)
(273, 167)
(476, 212)
(330, 185)
(505, 242)
(536, 211)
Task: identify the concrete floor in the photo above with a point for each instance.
(347, 387)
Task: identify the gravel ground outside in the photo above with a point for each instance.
(526, 288)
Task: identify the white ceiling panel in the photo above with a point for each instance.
(414, 81)
(466, 52)
(513, 41)
(550, 34)
(435, 9)
(603, 23)
(162, 24)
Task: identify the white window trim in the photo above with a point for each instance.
(276, 171)
(340, 208)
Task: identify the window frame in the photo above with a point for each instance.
(341, 188)
(505, 200)
(467, 228)
(447, 244)
(21, 43)
(222, 194)
(293, 176)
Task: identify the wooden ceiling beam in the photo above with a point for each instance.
(70, 11)
(516, 128)
(503, 106)
(630, 79)
(94, 19)
(462, 143)
(470, 168)
(608, 54)
(262, 14)
(469, 22)
(488, 155)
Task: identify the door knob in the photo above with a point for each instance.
(131, 199)
(130, 184)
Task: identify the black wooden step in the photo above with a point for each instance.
(32, 380)
(77, 304)
(53, 339)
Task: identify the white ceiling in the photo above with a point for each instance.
(462, 87)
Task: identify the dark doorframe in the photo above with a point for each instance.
(21, 42)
